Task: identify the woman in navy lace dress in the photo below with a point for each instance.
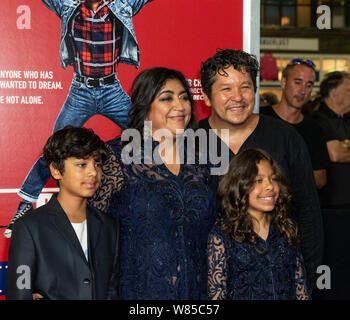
(166, 207)
(253, 248)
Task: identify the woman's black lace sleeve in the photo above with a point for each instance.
(111, 182)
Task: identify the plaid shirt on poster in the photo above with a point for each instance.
(96, 39)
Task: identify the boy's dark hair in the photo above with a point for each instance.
(74, 142)
(331, 81)
(223, 59)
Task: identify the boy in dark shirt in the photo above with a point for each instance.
(66, 249)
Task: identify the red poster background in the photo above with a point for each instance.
(174, 33)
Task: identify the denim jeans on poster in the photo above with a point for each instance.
(81, 104)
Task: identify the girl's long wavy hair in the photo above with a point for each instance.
(233, 194)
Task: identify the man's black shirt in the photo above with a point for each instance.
(312, 134)
(336, 193)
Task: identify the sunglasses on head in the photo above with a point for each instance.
(308, 63)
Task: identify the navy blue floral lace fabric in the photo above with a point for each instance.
(238, 272)
(165, 221)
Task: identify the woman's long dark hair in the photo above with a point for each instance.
(233, 194)
(144, 90)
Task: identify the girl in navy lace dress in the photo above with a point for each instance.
(253, 250)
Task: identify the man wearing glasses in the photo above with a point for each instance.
(297, 83)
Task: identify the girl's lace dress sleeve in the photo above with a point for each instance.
(111, 182)
(302, 292)
(217, 266)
